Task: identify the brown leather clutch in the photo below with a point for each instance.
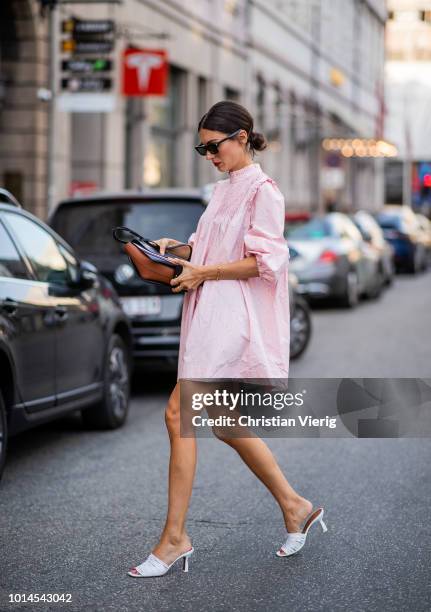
(145, 256)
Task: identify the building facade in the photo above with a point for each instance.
(23, 116)
(408, 87)
(307, 70)
(319, 69)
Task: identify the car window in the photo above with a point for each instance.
(48, 263)
(88, 227)
(314, 229)
(389, 221)
(336, 222)
(71, 261)
(11, 264)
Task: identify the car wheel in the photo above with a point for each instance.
(351, 294)
(3, 434)
(300, 328)
(112, 411)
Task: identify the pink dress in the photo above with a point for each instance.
(239, 328)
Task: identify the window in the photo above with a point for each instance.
(87, 228)
(312, 230)
(48, 263)
(11, 264)
(71, 261)
(166, 116)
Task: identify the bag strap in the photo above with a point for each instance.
(151, 242)
(127, 229)
(122, 227)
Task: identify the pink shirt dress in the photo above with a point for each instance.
(239, 328)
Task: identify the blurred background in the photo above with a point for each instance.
(99, 107)
(340, 88)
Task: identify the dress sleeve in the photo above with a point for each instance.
(265, 236)
(191, 240)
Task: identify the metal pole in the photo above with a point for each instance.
(52, 106)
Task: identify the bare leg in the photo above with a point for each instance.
(182, 466)
(256, 454)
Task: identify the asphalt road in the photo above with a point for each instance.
(78, 509)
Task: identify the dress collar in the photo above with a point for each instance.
(246, 172)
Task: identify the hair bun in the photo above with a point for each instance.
(257, 141)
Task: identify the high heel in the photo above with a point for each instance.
(153, 566)
(296, 540)
(186, 564)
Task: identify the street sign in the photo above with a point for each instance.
(86, 84)
(88, 26)
(99, 64)
(86, 102)
(91, 46)
(145, 72)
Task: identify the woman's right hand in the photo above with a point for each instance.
(165, 243)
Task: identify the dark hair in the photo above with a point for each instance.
(227, 116)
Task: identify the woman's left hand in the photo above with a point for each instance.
(190, 278)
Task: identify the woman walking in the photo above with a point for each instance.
(235, 321)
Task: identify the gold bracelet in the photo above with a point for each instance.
(218, 273)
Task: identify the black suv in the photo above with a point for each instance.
(65, 342)
(154, 311)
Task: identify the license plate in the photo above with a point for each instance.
(135, 306)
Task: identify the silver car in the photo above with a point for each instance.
(331, 260)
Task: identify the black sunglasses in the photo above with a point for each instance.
(212, 147)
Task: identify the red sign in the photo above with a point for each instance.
(145, 72)
(82, 188)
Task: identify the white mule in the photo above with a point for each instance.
(153, 566)
(296, 540)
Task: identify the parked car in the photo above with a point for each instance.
(401, 228)
(65, 342)
(154, 311)
(300, 318)
(372, 234)
(332, 260)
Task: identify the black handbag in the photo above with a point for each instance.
(146, 259)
